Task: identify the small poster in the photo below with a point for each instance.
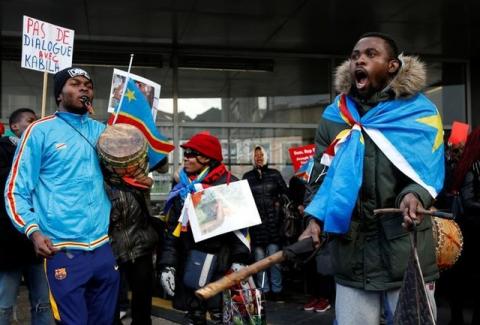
(220, 209)
(150, 89)
(300, 155)
(459, 133)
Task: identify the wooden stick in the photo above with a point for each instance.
(434, 213)
(124, 89)
(234, 278)
(44, 94)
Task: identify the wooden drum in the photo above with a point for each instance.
(122, 149)
(449, 242)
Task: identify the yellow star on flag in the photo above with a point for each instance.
(435, 121)
(130, 94)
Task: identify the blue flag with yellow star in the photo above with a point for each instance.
(136, 111)
(408, 131)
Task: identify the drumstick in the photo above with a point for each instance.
(234, 278)
(434, 213)
(291, 252)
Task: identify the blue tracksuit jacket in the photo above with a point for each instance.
(56, 185)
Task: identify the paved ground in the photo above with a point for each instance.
(290, 313)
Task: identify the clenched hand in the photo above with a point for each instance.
(313, 230)
(409, 205)
(43, 245)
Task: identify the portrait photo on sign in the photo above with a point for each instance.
(220, 209)
(150, 89)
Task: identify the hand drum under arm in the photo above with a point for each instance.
(122, 149)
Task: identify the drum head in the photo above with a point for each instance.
(120, 145)
(449, 242)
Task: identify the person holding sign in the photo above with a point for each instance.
(203, 167)
(55, 195)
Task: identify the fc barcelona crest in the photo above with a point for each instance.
(61, 273)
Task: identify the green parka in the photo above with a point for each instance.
(373, 255)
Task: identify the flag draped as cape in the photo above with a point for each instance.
(408, 131)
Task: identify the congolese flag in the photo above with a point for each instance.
(408, 131)
(136, 111)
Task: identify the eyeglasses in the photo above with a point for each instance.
(189, 153)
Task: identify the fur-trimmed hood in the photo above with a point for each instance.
(410, 79)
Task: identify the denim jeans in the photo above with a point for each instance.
(356, 306)
(36, 281)
(270, 279)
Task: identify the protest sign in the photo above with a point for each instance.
(459, 133)
(150, 89)
(46, 47)
(220, 209)
(300, 155)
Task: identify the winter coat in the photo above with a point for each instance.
(470, 194)
(131, 232)
(373, 254)
(227, 247)
(469, 221)
(57, 185)
(267, 187)
(296, 190)
(16, 249)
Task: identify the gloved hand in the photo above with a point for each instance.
(167, 280)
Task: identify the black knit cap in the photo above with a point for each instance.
(61, 77)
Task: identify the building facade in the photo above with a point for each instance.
(250, 72)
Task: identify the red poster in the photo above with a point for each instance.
(459, 133)
(300, 155)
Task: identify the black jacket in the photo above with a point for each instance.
(15, 248)
(470, 194)
(228, 248)
(131, 231)
(267, 187)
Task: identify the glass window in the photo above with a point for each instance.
(21, 88)
(239, 143)
(296, 91)
(446, 88)
(276, 143)
(162, 183)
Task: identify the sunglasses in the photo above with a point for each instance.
(189, 153)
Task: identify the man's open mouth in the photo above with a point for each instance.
(361, 79)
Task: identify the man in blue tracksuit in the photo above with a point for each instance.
(56, 197)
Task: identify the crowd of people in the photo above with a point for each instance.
(79, 235)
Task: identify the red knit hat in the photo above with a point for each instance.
(206, 144)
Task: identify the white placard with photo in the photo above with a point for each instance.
(220, 209)
(150, 89)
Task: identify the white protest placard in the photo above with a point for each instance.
(46, 47)
(220, 209)
(150, 89)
